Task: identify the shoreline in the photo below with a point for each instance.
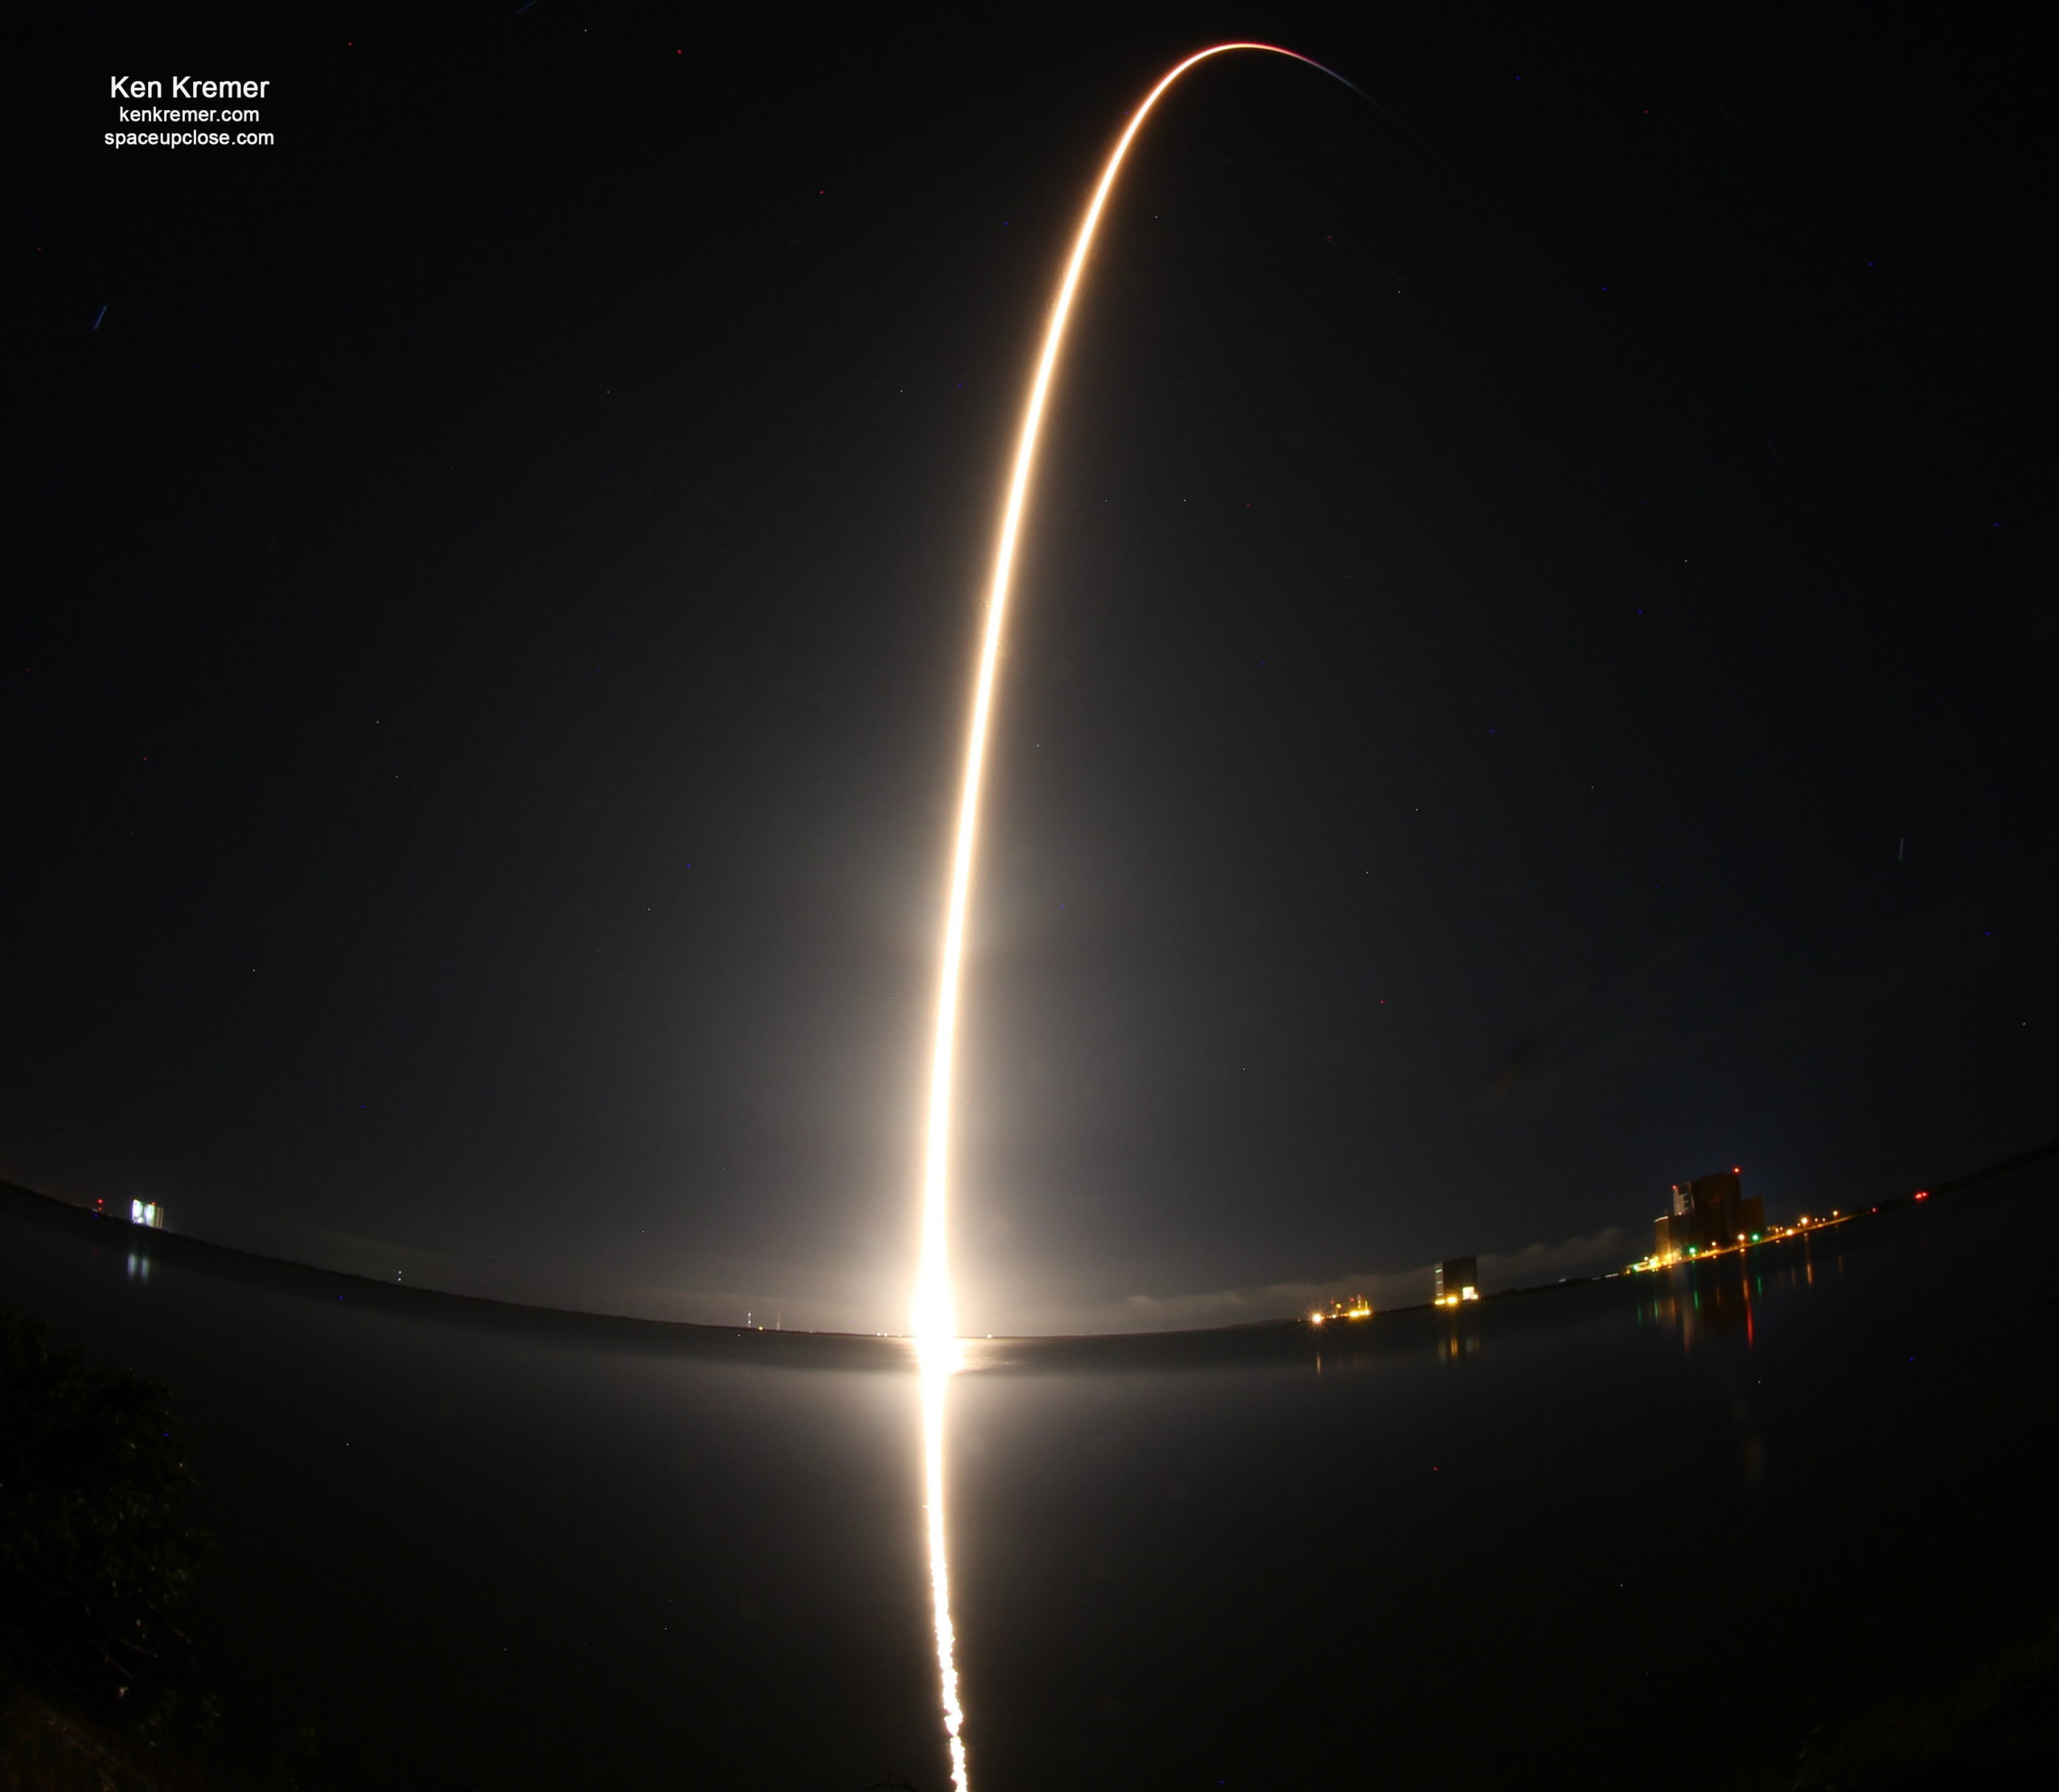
(1257, 1338)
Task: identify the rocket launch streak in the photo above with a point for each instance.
(935, 1318)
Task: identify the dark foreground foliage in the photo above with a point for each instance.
(47, 1747)
(1998, 1729)
(95, 1555)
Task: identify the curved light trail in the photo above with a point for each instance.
(936, 1316)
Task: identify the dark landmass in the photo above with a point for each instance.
(1255, 1344)
(795, 1350)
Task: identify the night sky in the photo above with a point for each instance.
(1533, 676)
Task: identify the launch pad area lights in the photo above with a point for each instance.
(1802, 1227)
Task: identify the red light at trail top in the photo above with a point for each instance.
(1923, 1194)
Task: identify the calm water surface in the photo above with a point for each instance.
(1646, 1530)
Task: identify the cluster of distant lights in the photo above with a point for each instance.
(1358, 1307)
(1744, 1239)
(1771, 1235)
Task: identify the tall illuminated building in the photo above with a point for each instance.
(1709, 1214)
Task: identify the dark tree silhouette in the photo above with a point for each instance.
(95, 1553)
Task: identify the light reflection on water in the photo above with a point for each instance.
(1720, 1297)
(938, 1363)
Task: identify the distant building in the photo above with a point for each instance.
(1711, 1213)
(146, 1213)
(1458, 1278)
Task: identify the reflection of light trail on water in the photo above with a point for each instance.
(938, 1362)
(935, 1319)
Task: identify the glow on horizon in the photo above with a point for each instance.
(935, 1313)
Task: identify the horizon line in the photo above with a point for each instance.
(2023, 1160)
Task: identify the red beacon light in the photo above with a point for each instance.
(1923, 1194)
